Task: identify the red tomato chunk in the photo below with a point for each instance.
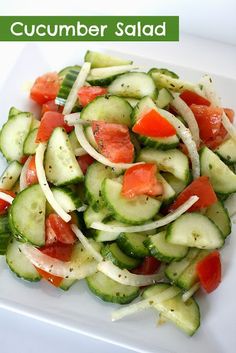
(88, 93)
(45, 88)
(209, 271)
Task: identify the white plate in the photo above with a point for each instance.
(78, 309)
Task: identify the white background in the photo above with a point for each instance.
(209, 19)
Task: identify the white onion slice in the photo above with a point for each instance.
(23, 183)
(72, 119)
(148, 226)
(79, 82)
(187, 139)
(186, 113)
(92, 152)
(229, 127)
(6, 197)
(127, 278)
(190, 292)
(39, 157)
(167, 294)
(57, 267)
(97, 72)
(82, 208)
(86, 244)
(80, 152)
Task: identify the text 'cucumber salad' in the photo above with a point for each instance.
(121, 181)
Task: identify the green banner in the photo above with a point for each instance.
(89, 28)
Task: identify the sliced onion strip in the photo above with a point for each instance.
(149, 226)
(186, 113)
(57, 267)
(97, 72)
(187, 139)
(93, 153)
(167, 294)
(39, 157)
(190, 292)
(23, 183)
(127, 278)
(6, 197)
(84, 241)
(79, 82)
(229, 127)
(80, 152)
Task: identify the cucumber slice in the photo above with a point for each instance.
(66, 198)
(112, 252)
(189, 276)
(19, 264)
(67, 283)
(101, 235)
(27, 215)
(66, 86)
(177, 185)
(94, 177)
(4, 241)
(13, 111)
(74, 141)
(227, 151)
(172, 161)
(176, 268)
(110, 291)
(110, 109)
(132, 101)
(195, 230)
(103, 76)
(61, 166)
(136, 211)
(164, 72)
(103, 60)
(163, 143)
(221, 177)
(219, 215)
(184, 315)
(132, 244)
(171, 83)
(62, 73)
(13, 135)
(35, 124)
(168, 192)
(30, 145)
(164, 251)
(91, 216)
(10, 175)
(133, 85)
(4, 224)
(164, 98)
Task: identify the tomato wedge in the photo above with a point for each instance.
(54, 280)
(149, 266)
(200, 187)
(49, 106)
(208, 119)
(209, 271)
(153, 124)
(31, 173)
(113, 141)
(4, 204)
(190, 98)
(88, 93)
(141, 180)
(84, 162)
(45, 88)
(59, 230)
(49, 122)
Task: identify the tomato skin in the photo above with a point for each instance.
(84, 162)
(141, 180)
(61, 229)
(54, 280)
(149, 266)
(113, 141)
(190, 98)
(208, 119)
(209, 271)
(4, 204)
(31, 173)
(58, 251)
(200, 187)
(45, 88)
(49, 106)
(23, 159)
(88, 93)
(49, 122)
(153, 124)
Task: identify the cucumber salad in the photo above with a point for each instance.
(122, 181)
